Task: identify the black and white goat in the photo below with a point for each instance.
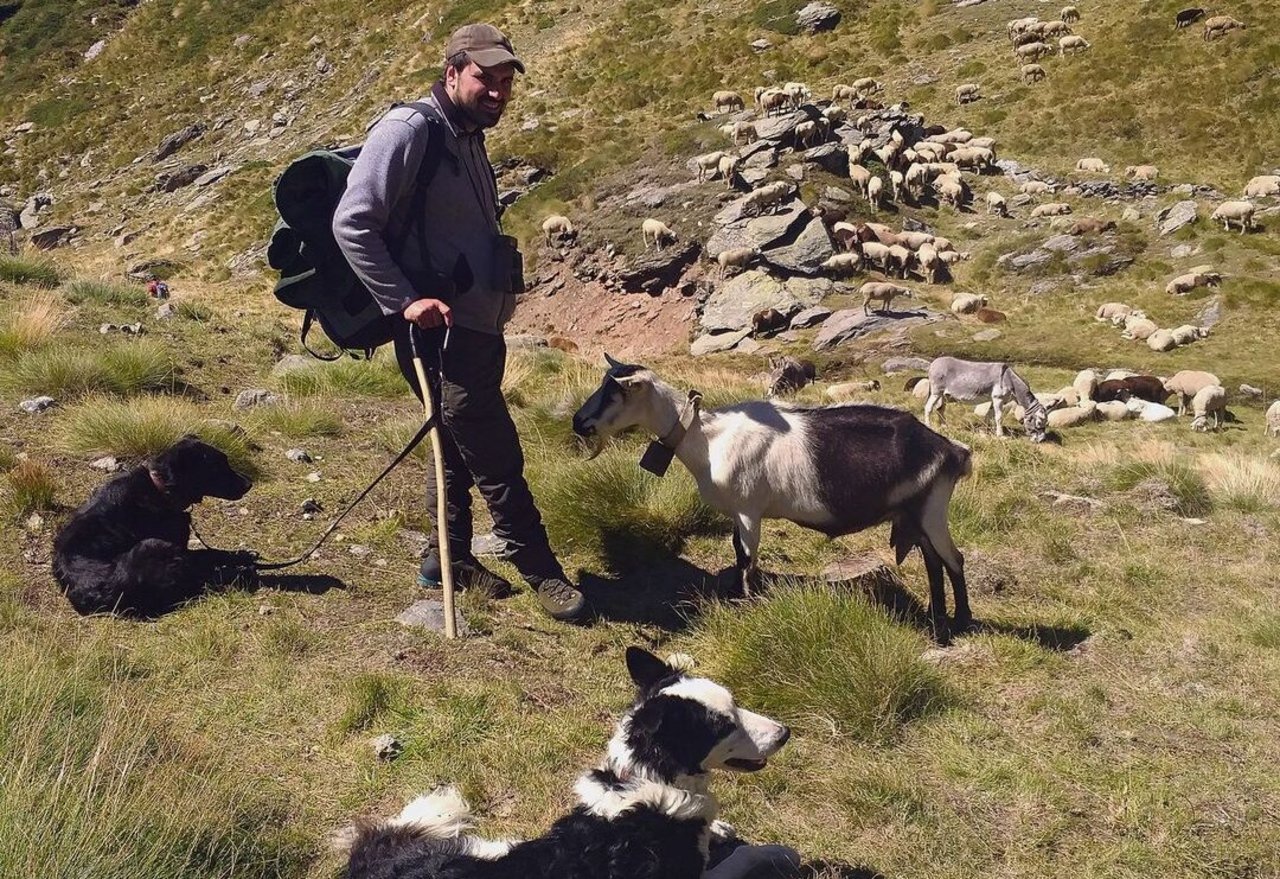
(835, 469)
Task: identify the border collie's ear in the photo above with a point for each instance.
(645, 668)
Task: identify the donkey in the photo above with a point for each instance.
(835, 469)
(968, 381)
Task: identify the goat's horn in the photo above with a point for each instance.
(613, 364)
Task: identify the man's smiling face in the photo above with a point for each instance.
(481, 93)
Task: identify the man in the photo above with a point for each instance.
(452, 271)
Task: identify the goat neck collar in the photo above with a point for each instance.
(684, 419)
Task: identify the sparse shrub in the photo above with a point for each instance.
(29, 488)
(23, 270)
(188, 309)
(298, 420)
(62, 372)
(104, 293)
(379, 377)
(823, 660)
(145, 426)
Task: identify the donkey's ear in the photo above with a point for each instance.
(645, 668)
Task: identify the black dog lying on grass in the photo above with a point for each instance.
(125, 551)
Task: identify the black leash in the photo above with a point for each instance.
(275, 566)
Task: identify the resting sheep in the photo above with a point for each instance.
(1143, 387)
(1050, 209)
(1273, 419)
(1188, 333)
(1162, 340)
(1239, 212)
(1142, 172)
(1209, 403)
(968, 92)
(1033, 72)
(1138, 328)
(1219, 25)
(660, 232)
(1262, 186)
(1184, 284)
(968, 303)
(1187, 383)
(882, 292)
(557, 228)
(1073, 43)
(845, 391)
(1093, 165)
(1085, 383)
(1092, 226)
(1073, 416)
(1115, 312)
(1035, 187)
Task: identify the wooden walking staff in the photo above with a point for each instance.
(437, 458)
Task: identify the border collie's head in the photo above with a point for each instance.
(683, 726)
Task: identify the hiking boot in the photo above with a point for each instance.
(467, 574)
(560, 599)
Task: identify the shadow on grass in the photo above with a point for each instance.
(837, 870)
(890, 595)
(1059, 638)
(659, 588)
(311, 584)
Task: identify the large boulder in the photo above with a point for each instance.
(830, 157)
(54, 236)
(809, 317)
(1173, 218)
(817, 16)
(731, 305)
(742, 230)
(851, 323)
(714, 343)
(804, 251)
(658, 270)
(175, 180)
(779, 128)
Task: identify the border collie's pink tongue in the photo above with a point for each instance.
(745, 765)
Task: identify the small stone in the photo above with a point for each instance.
(429, 614)
(107, 464)
(761, 45)
(38, 404)
(313, 476)
(986, 335)
(298, 456)
(359, 550)
(488, 544)
(253, 398)
(35, 522)
(132, 329)
(107, 328)
(166, 311)
(387, 747)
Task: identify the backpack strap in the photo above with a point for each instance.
(427, 170)
(307, 319)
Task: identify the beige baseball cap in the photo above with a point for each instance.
(484, 44)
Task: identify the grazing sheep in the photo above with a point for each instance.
(882, 292)
(805, 132)
(835, 469)
(743, 132)
(1093, 165)
(860, 177)
(951, 257)
(728, 101)
(1020, 25)
(952, 191)
(1050, 209)
(1162, 340)
(1138, 328)
(797, 92)
(844, 93)
(1086, 384)
(1273, 419)
(1034, 51)
(896, 181)
(1033, 72)
(1184, 284)
(1262, 186)
(845, 391)
(973, 158)
(774, 101)
(1188, 17)
(1142, 172)
(834, 114)
(867, 86)
(728, 167)
(901, 258)
(708, 164)
(557, 228)
(1074, 43)
(1092, 226)
(1055, 29)
(1187, 333)
(1239, 212)
(969, 91)
(1209, 403)
(968, 303)
(1187, 383)
(767, 196)
(1069, 14)
(875, 192)
(843, 264)
(660, 232)
(1035, 187)
(1114, 312)
(927, 262)
(877, 254)
(1219, 25)
(736, 258)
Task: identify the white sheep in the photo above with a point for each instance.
(876, 254)
(969, 91)
(1073, 416)
(1020, 25)
(1262, 186)
(1184, 284)
(743, 132)
(951, 190)
(797, 92)
(728, 101)
(1209, 403)
(875, 192)
(1074, 43)
(883, 292)
(843, 264)
(1113, 312)
(1033, 72)
(1085, 383)
(896, 181)
(901, 259)
(708, 164)
(1162, 340)
(1188, 333)
(1220, 24)
(1055, 29)
(835, 114)
(557, 227)
(736, 258)
(951, 257)
(860, 177)
(1050, 209)
(1069, 14)
(660, 232)
(1035, 187)
(973, 158)
(728, 167)
(844, 93)
(1034, 51)
(1273, 419)
(845, 391)
(805, 132)
(867, 86)
(927, 261)
(996, 204)
(1142, 172)
(1138, 328)
(1093, 165)
(1150, 412)
(968, 303)
(774, 100)
(1239, 212)
(1114, 410)
(1187, 383)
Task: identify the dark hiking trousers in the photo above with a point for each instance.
(480, 445)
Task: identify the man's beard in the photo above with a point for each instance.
(483, 118)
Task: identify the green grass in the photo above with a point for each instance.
(824, 660)
(143, 427)
(104, 293)
(297, 420)
(1190, 496)
(63, 372)
(376, 378)
(29, 487)
(37, 272)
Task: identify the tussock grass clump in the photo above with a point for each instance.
(96, 783)
(1240, 482)
(297, 420)
(143, 427)
(32, 324)
(1184, 483)
(104, 293)
(379, 377)
(822, 659)
(23, 270)
(368, 697)
(29, 488)
(612, 509)
(64, 372)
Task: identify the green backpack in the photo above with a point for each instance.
(314, 274)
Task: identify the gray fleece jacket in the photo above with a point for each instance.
(458, 226)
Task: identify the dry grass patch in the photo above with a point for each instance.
(1242, 482)
(32, 324)
(29, 488)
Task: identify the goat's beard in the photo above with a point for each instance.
(594, 445)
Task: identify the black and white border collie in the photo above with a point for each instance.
(646, 813)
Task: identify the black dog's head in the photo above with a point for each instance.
(191, 470)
